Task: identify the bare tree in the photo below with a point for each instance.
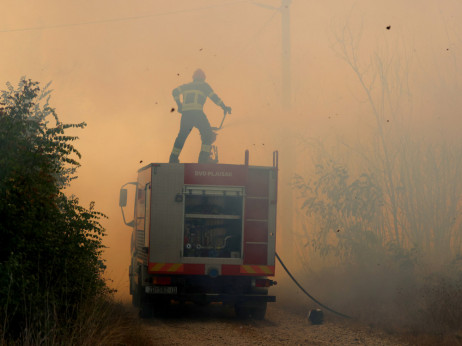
(417, 198)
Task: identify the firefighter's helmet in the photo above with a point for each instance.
(199, 75)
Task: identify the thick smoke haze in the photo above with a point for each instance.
(113, 64)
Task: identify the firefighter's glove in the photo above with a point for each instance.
(227, 110)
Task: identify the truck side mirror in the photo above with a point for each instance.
(123, 202)
(123, 198)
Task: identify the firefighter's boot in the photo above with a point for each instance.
(204, 156)
(174, 155)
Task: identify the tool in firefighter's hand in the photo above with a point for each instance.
(226, 110)
(213, 154)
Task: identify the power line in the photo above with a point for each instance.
(121, 19)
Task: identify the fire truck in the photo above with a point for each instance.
(203, 233)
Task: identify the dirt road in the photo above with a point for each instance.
(217, 325)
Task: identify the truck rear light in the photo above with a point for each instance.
(161, 280)
(264, 283)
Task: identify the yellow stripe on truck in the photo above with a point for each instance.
(247, 269)
(256, 269)
(166, 267)
(266, 269)
(158, 266)
(175, 267)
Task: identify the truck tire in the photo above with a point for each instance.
(256, 311)
(136, 298)
(160, 307)
(141, 299)
(136, 295)
(146, 307)
(145, 311)
(242, 311)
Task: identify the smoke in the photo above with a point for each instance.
(114, 64)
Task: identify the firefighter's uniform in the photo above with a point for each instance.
(194, 95)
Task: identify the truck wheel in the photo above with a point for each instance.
(136, 297)
(253, 310)
(141, 299)
(242, 311)
(136, 300)
(258, 312)
(161, 307)
(146, 311)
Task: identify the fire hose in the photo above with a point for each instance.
(309, 295)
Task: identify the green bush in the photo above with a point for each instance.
(50, 246)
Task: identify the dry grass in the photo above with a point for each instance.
(109, 323)
(100, 322)
(424, 306)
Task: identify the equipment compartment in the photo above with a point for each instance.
(213, 222)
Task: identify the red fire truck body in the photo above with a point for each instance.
(204, 233)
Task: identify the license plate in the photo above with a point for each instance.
(161, 289)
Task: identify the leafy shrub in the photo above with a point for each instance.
(410, 283)
(50, 246)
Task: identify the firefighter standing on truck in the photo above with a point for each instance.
(194, 95)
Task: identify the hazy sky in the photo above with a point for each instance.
(114, 63)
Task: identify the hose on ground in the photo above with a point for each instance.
(309, 295)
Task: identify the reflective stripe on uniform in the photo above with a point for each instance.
(206, 148)
(193, 100)
(192, 107)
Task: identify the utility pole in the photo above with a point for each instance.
(285, 45)
(286, 73)
(286, 219)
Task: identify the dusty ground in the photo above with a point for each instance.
(217, 325)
